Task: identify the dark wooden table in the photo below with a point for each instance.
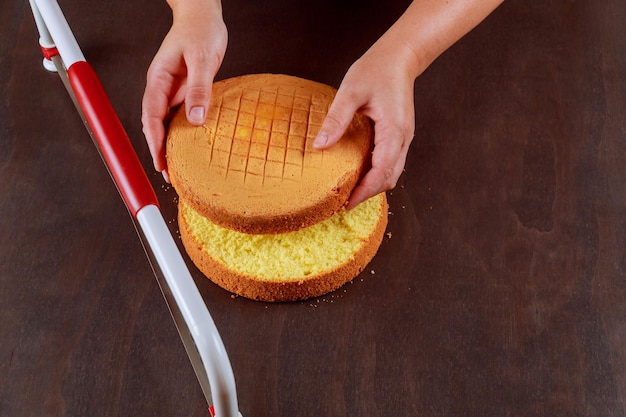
(501, 292)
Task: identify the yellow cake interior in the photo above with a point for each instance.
(288, 256)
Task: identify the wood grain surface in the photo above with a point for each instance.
(501, 290)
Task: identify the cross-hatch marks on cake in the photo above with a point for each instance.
(265, 135)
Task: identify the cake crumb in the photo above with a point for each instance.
(372, 272)
(388, 235)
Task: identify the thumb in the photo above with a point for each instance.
(337, 120)
(198, 91)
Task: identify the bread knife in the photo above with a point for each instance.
(195, 325)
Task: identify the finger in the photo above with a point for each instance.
(388, 159)
(338, 118)
(201, 69)
(155, 106)
(154, 132)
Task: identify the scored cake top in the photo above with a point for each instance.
(252, 166)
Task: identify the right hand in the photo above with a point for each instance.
(183, 69)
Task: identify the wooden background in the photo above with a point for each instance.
(501, 292)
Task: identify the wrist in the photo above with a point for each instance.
(186, 9)
(397, 53)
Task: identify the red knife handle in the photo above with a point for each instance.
(114, 144)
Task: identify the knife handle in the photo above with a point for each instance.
(114, 144)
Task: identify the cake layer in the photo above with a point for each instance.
(252, 167)
(290, 266)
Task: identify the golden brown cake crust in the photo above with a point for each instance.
(252, 167)
(277, 291)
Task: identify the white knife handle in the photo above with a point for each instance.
(193, 310)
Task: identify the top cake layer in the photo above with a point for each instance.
(252, 166)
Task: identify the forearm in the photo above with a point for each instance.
(429, 27)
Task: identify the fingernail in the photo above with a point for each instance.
(320, 140)
(196, 115)
(166, 176)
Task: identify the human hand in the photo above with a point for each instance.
(377, 85)
(183, 69)
(380, 84)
